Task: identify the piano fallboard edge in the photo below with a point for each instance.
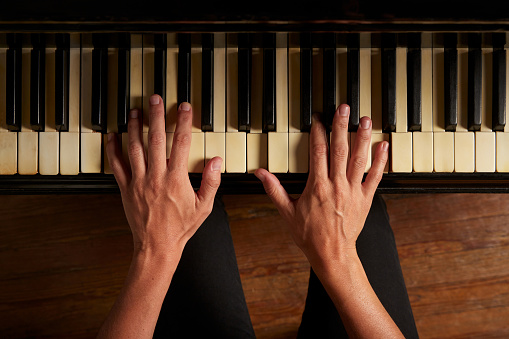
(392, 183)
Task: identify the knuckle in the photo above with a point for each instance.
(340, 153)
(319, 150)
(358, 163)
(135, 151)
(181, 139)
(342, 123)
(156, 139)
(320, 190)
(364, 137)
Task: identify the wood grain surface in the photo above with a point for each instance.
(63, 259)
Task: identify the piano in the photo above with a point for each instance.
(432, 77)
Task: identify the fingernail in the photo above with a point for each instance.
(110, 137)
(365, 123)
(344, 111)
(385, 146)
(185, 106)
(154, 100)
(315, 117)
(216, 164)
(134, 113)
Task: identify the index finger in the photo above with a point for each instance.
(156, 135)
(179, 155)
(318, 168)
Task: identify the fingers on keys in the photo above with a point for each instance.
(136, 151)
(318, 164)
(156, 135)
(377, 168)
(339, 142)
(359, 156)
(276, 192)
(181, 139)
(117, 165)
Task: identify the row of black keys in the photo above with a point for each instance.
(328, 42)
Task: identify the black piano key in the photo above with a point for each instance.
(306, 81)
(329, 78)
(99, 84)
(244, 83)
(123, 96)
(37, 83)
(353, 81)
(450, 82)
(207, 81)
(388, 83)
(184, 68)
(62, 83)
(160, 65)
(499, 82)
(414, 111)
(269, 83)
(474, 81)
(13, 83)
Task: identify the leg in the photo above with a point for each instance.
(377, 251)
(205, 298)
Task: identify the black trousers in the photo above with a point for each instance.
(205, 298)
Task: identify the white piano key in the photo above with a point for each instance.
(256, 89)
(220, 85)
(28, 150)
(215, 146)
(49, 148)
(112, 104)
(438, 86)
(90, 155)
(232, 75)
(376, 90)
(298, 150)
(401, 90)
(70, 141)
(90, 141)
(464, 152)
(196, 161)
(278, 152)
(28, 140)
(365, 75)
(256, 151)
(423, 152)
(281, 85)
(69, 153)
(502, 155)
(148, 77)
(8, 153)
(401, 152)
(443, 151)
(49, 153)
(485, 152)
(196, 65)
(171, 81)
(294, 83)
(426, 83)
(235, 152)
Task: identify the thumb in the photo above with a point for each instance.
(275, 191)
(211, 179)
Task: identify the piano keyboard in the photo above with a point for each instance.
(440, 99)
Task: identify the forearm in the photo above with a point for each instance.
(136, 310)
(360, 309)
